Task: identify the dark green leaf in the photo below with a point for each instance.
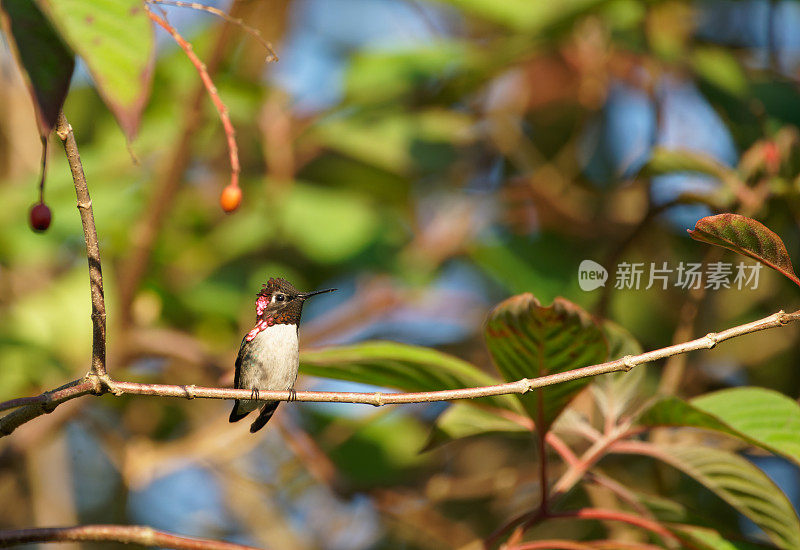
(703, 538)
(45, 59)
(746, 236)
(527, 340)
(461, 420)
(401, 366)
(741, 485)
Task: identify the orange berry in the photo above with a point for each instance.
(231, 198)
(40, 217)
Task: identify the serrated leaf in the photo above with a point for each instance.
(115, 38)
(400, 366)
(461, 420)
(739, 483)
(46, 61)
(761, 417)
(527, 340)
(748, 237)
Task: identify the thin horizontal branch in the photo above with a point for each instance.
(128, 534)
(93, 384)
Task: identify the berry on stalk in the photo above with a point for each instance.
(231, 198)
(40, 217)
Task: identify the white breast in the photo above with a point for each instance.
(278, 356)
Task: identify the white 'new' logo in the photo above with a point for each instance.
(591, 275)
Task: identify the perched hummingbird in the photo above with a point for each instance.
(269, 355)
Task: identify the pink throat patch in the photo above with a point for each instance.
(261, 325)
(261, 305)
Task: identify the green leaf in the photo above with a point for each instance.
(524, 15)
(748, 237)
(703, 538)
(620, 341)
(462, 420)
(380, 76)
(46, 61)
(721, 68)
(115, 38)
(311, 218)
(398, 142)
(619, 391)
(668, 161)
(741, 484)
(527, 340)
(763, 418)
(401, 366)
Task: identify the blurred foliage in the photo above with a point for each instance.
(429, 159)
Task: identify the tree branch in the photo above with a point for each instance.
(64, 131)
(36, 406)
(128, 534)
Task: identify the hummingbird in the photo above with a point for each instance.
(270, 355)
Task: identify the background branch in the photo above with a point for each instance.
(127, 534)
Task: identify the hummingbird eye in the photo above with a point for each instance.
(279, 297)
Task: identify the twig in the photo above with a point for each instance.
(271, 55)
(147, 229)
(127, 534)
(233, 150)
(43, 174)
(64, 131)
(34, 409)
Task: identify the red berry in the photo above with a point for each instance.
(40, 217)
(231, 198)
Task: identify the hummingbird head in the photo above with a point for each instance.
(280, 301)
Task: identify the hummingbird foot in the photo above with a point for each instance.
(254, 394)
(292, 395)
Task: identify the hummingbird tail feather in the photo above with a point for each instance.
(239, 411)
(266, 413)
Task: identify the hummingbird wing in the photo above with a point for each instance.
(236, 413)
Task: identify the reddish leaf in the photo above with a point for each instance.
(527, 340)
(43, 57)
(745, 236)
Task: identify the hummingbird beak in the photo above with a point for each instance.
(304, 295)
